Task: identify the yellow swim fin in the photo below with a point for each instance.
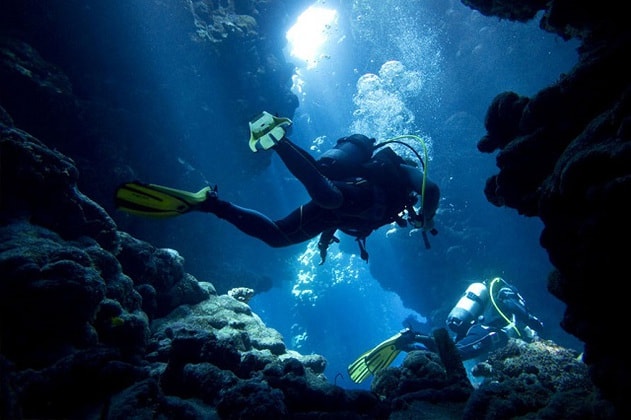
(266, 130)
(375, 360)
(151, 200)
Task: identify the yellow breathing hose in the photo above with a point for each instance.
(424, 164)
(511, 323)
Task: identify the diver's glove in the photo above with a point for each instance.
(326, 239)
(266, 130)
(535, 323)
(419, 221)
(409, 340)
(416, 222)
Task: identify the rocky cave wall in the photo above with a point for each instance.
(564, 156)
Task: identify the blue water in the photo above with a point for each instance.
(435, 77)
(426, 68)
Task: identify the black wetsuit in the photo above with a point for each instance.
(355, 206)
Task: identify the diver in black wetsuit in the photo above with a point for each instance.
(351, 190)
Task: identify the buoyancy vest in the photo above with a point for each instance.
(384, 170)
(351, 160)
(393, 193)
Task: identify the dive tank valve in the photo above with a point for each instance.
(470, 306)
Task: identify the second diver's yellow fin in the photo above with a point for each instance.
(374, 360)
(151, 200)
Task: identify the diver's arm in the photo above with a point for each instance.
(305, 168)
(414, 176)
(480, 339)
(432, 198)
(432, 192)
(512, 303)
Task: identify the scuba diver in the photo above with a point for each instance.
(355, 187)
(483, 320)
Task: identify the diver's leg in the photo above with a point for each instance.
(250, 222)
(300, 225)
(304, 167)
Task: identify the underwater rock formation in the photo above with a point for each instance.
(82, 312)
(76, 313)
(565, 156)
(242, 294)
